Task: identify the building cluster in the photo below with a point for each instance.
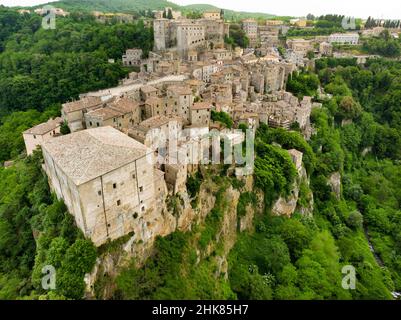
(182, 34)
(133, 145)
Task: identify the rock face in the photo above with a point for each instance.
(286, 206)
(335, 184)
(180, 216)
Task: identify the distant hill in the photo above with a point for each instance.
(229, 13)
(112, 5)
(140, 5)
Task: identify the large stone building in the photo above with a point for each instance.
(250, 27)
(184, 35)
(106, 179)
(344, 38)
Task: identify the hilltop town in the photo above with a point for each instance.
(185, 153)
(100, 168)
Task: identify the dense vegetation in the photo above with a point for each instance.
(303, 83)
(40, 69)
(237, 37)
(37, 231)
(384, 45)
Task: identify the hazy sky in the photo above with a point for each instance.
(359, 8)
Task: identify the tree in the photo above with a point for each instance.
(169, 14)
(65, 129)
(355, 220)
(349, 108)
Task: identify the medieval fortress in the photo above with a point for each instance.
(106, 171)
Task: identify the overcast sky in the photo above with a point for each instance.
(358, 8)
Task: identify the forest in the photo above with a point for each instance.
(41, 69)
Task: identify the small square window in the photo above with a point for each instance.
(114, 185)
(118, 202)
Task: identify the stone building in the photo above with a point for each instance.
(300, 46)
(268, 36)
(284, 109)
(147, 92)
(325, 49)
(132, 57)
(204, 70)
(39, 134)
(188, 34)
(73, 112)
(200, 114)
(344, 38)
(181, 99)
(250, 27)
(212, 14)
(120, 114)
(106, 180)
(176, 177)
(152, 131)
(222, 54)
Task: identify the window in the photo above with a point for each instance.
(97, 124)
(118, 202)
(133, 176)
(114, 185)
(34, 137)
(141, 189)
(135, 215)
(90, 123)
(99, 193)
(143, 208)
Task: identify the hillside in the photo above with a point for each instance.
(140, 5)
(113, 5)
